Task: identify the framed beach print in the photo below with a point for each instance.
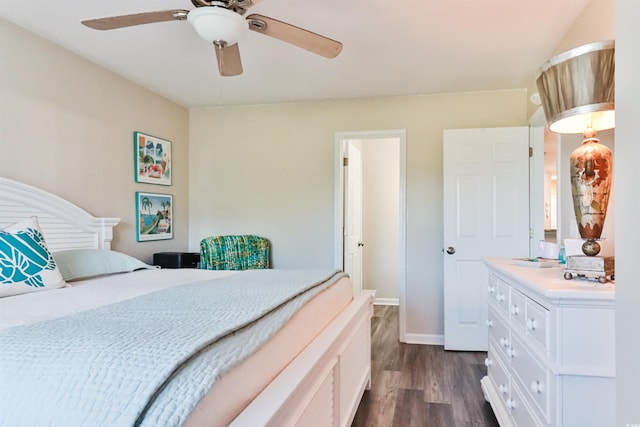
(152, 159)
(154, 213)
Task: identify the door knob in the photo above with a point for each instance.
(451, 250)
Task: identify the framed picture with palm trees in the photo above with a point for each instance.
(152, 159)
(154, 214)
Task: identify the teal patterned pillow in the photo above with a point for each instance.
(26, 265)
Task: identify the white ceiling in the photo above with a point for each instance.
(391, 47)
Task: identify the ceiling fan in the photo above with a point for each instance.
(221, 22)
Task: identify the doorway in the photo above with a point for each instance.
(382, 152)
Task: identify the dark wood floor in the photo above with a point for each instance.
(421, 385)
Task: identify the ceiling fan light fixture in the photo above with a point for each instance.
(217, 24)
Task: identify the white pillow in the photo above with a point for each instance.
(78, 264)
(26, 265)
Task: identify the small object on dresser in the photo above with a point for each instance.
(177, 259)
(591, 267)
(535, 262)
(562, 255)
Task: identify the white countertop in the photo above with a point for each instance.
(550, 282)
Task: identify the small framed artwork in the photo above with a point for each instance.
(152, 159)
(154, 213)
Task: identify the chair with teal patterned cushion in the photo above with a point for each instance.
(241, 252)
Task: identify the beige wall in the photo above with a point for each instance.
(66, 125)
(270, 170)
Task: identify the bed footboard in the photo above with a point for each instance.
(324, 384)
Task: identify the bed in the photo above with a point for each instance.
(308, 368)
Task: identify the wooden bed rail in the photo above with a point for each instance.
(324, 384)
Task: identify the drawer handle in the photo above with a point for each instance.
(491, 289)
(488, 362)
(515, 310)
(503, 389)
(536, 387)
(532, 324)
(489, 322)
(504, 342)
(511, 352)
(511, 404)
(500, 297)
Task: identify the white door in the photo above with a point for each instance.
(353, 169)
(486, 213)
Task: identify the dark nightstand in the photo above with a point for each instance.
(176, 259)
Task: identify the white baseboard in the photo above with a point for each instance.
(412, 338)
(386, 301)
(424, 339)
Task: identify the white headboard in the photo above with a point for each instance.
(63, 224)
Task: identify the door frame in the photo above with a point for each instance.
(537, 123)
(353, 209)
(341, 139)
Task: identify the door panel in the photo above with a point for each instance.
(467, 194)
(486, 213)
(469, 294)
(505, 220)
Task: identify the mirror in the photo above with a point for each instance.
(550, 186)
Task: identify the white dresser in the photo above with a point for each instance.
(551, 359)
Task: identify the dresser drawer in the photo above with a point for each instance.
(517, 309)
(498, 373)
(521, 414)
(533, 376)
(537, 323)
(492, 288)
(499, 332)
(502, 296)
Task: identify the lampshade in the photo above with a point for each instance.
(217, 24)
(577, 88)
